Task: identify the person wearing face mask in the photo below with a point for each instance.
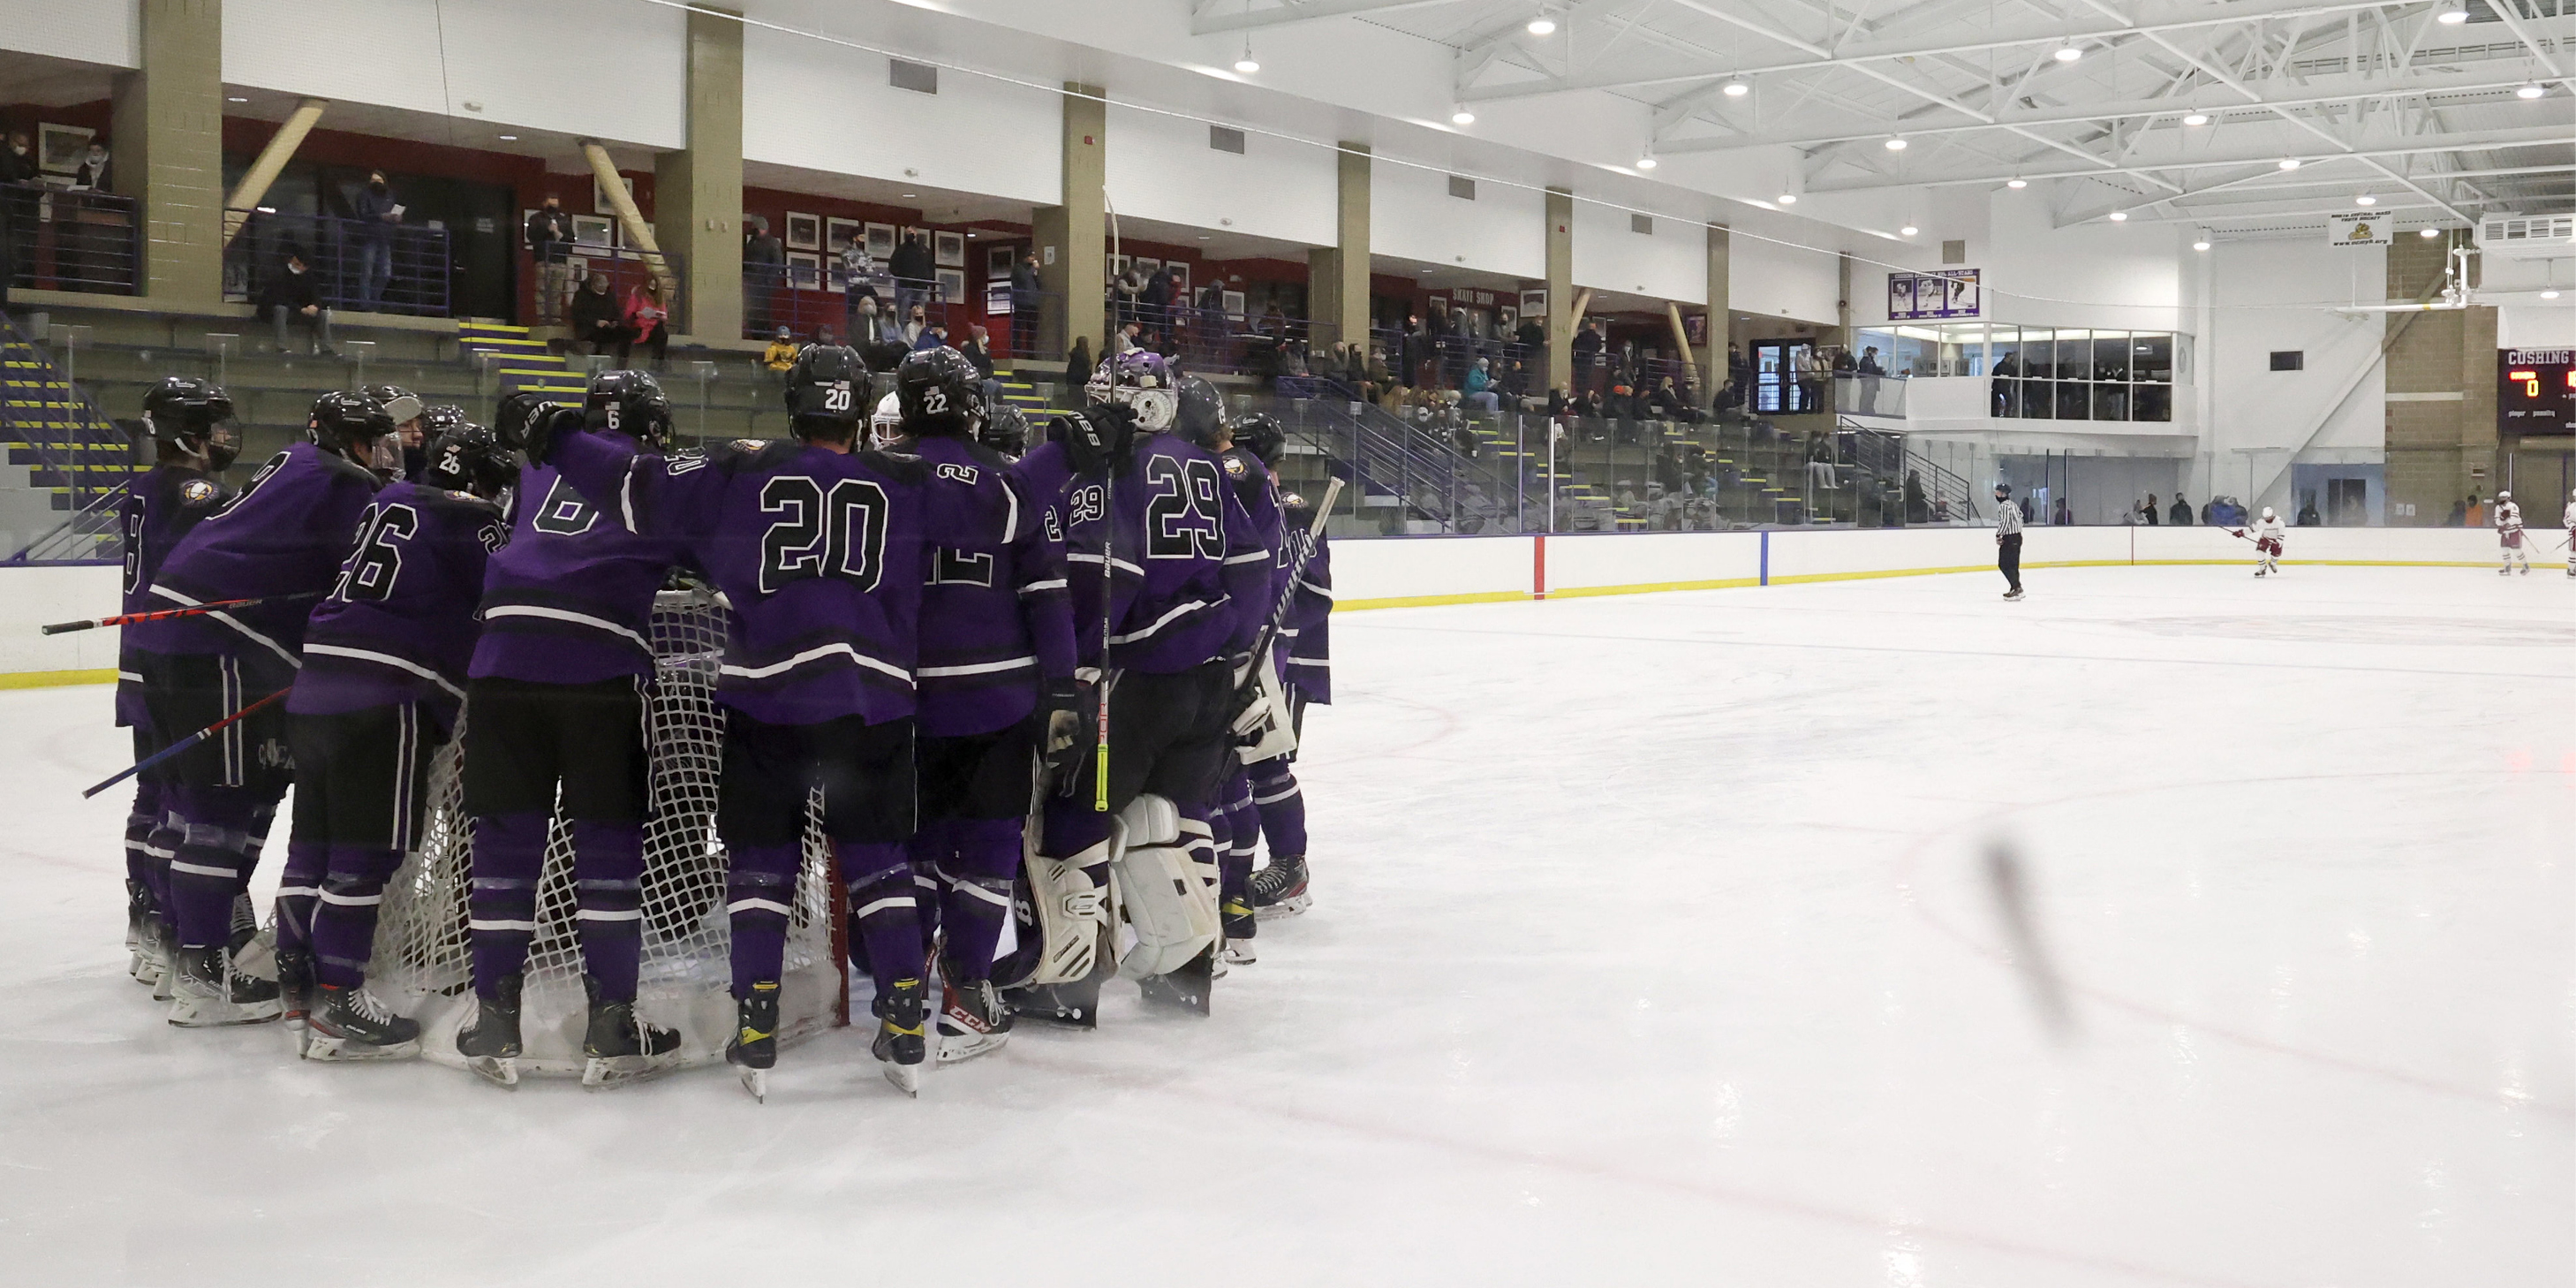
(550, 245)
(289, 297)
(378, 214)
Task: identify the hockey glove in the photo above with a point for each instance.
(1063, 747)
(549, 426)
(1099, 436)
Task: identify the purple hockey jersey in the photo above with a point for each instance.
(1188, 576)
(820, 555)
(570, 599)
(159, 507)
(1308, 629)
(285, 534)
(398, 625)
(995, 617)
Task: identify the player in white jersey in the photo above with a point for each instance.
(2568, 521)
(2508, 522)
(2266, 532)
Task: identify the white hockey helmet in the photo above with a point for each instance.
(885, 424)
(2504, 496)
(2267, 512)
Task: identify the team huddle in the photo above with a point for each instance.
(1059, 688)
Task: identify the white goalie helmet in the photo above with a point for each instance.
(1139, 379)
(885, 424)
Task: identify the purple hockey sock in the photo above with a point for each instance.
(883, 911)
(344, 922)
(977, 893)
(760, 894)
(141, 822)
(209, 865)
(298, 889)
(501, 910)
(1282, 806)
(930, 851)
(608, 876)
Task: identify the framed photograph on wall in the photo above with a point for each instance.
(997, 299)
(59, 147)
(838, 233)
(804, 232)
(1534, 303)
(998, 260)
(594, 230)
(948, 250)
(1437, 306)
(952, 285)
(880, 240)
(1234, 305)
(599, 194)
(804, 270)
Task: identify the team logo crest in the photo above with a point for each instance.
(196, 491)
(1234, 465)
(748, 444)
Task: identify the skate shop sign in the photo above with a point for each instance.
(2358, 230)
(1949, 293)
(2536, 391)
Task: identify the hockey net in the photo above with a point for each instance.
(423, 965)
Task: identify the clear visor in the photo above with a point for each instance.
(386, 457)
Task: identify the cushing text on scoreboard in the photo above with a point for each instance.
(2536, 391)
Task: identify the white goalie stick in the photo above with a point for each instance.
(1263, 729)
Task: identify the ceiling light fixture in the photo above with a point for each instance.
(2529, 91)
(1737, 88)
(2549, 295)
(2201, 243)
(2119, 216)
(1542, 25)
(1646, 162)
(2067, 53)
(2452, 17)
(2016, 183)
(1909, 230)
(2365, 199)
(233, 99)
(2428, 232)
(1247, 64)
(509, 138)
(2289, 163)
(1462, 116)
(1896, 144)
(2196, 118)
(1788, 199)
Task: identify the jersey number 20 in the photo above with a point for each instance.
(841, 533)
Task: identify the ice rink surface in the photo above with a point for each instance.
(1655, 942)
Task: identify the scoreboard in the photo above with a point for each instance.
(2536, 391)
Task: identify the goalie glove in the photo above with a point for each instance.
(1098, 436)
(1062, 745)
(548, 426)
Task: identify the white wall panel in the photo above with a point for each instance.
(1774, 279)
(1669, 263)
(2273, 296)
(93, 31)
(2536, 326)
(821, 106)
(2090, 275)
(1412, 216)
(614, 70)
(1161, 167)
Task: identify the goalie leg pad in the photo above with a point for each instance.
(1167, 880)
(1070, 898)
(1265, 730)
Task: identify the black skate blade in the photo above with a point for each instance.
(1071, 1005)
(499, 1070)
(1188, 988)
(349, 1051)
(1288, 906)
(608, 1071)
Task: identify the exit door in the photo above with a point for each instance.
(2347, 503)
(1775, 385)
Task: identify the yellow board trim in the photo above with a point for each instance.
(51, 679)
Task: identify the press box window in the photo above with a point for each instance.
(2289, 360)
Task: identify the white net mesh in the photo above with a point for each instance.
(423, 965)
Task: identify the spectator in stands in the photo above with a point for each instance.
(550, 245)
(2205, 520)
(914, 273)
(2181, 513)
(1027, 297)
(1124, 339)
(1531, 339)
(979, 350)
(1667, 402)
(289, 297)
(1479, 388)
(1077, 368)
(647, 321)
(932, 336)
(1154, 308)
(378, 214)
(18, 164)
(781, 353)
(1916, 508)
(2066, 514)
(595, 317)
(1460, 340)
(2477, 515)
(2459, 517)
(91, 174)
(858, 284)
(764, 271)
(1415, 350)
(2308, 512)
(18, 209)
(1375, 380)
(916, 323)
(1588, 346)
(1738, 371)
(2147, 513)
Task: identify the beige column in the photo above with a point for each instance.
(1073, 255)
(1563, 311)
(697, 192)
(1721, 310)
(166, 148)
(1337, 276)
(272, 160)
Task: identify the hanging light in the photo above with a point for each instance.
(1247, 64)
(2196, 118)
(2365, 199)
(1462, 116)
(1646, 162)
(2529, 91)
(2289, 163)
(2119, 216)
(2200, 242)
(2067, 53)
(1788, 199)
(1896, 144)
(2452, 17)
(1737, 88)
(2428, 232)
(2549, 295)
(1542, 25)
(1909, 230)
(2016, 183)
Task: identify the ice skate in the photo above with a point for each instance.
(1188, 988)
(1240, 923)
(208, 990)
(1280, 889)
(619, 1047)
(2013, 594)
(490, 1044)
(151, 964)
(352, 1024)
(900, 1046)
(754, 1048)
(295, 995)
(138, 936)
(972, 1019)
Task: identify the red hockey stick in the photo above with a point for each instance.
(129, 619)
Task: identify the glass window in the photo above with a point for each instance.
(2153, 357)
(2074, 397)
(2155, 402)
(2003, 347)
(2038, 399)
(2110, 401)
(2074, 357)
(2110, 357)
(2038, 355)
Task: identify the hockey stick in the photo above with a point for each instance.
(1304, 553)
(1108, 601)
(183, 744)
(194, 610)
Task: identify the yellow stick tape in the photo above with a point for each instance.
(51, 679)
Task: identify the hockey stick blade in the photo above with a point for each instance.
(2009, 882)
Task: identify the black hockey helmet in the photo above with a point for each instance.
(630, 403)
(1006, 430)
(437, 420)
(940, 392)
(1201, 417)
(518, 413)
(827, 390)
(191, 415)
(467, 457)
(349, 424)
(400, 403)
(1262, 435)
(2003, 490)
